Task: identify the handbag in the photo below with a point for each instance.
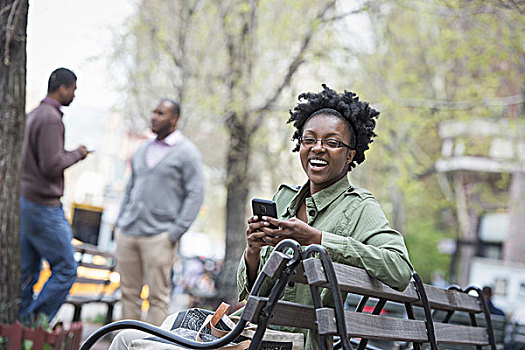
(205, 326)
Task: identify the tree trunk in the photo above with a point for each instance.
(398, 205)
(514, 246)
(13, 25)
(237, 196)
(467, 231)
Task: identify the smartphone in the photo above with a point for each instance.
(264, 207)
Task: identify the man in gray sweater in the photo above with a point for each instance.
(44, 231)
(162, 199)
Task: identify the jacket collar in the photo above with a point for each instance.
(53, 103)
(321, 199)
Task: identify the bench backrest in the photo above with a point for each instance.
(516, 334)
(94, 271)
(373, 326)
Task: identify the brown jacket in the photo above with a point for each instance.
(44, 158)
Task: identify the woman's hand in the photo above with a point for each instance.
(292, 228)
(254, 239)
(254, 243)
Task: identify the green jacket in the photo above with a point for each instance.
(355, 232)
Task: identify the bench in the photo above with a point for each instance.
(354, 326)
(515, 336)
(94, 282)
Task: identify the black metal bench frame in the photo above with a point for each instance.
(302, 267)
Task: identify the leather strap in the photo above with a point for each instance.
(212, 320)
(221, 311)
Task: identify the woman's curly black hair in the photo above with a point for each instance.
(359, 115)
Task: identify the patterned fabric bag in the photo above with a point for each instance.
(204, 326)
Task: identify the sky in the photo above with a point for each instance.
(75, 34)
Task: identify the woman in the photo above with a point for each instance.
(332, 132)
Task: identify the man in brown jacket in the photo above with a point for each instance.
(44, 231)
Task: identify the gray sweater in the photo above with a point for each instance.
(165, 198)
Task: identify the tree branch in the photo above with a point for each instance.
(461, 105)
(5, 9)
(231, 117)
(512, 4)
(292, 68)
(367, 6)
(10, 28)
(448, 10)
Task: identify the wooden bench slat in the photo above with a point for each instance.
(96, 266)
(92, 250)
(86, 280)
(451, 300)
(285, 313)
(365, 325)
(356, 280)
(460, 335)
(83, 299)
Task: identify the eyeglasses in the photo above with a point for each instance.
(326, 143)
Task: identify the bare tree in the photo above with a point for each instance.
(243, 121)
(13, 25)
(235, 77)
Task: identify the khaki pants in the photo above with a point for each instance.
(145, 260)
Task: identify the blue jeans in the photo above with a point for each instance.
(45, 234)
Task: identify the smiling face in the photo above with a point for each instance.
(325, 166)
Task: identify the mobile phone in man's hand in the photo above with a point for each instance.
(264, 207)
